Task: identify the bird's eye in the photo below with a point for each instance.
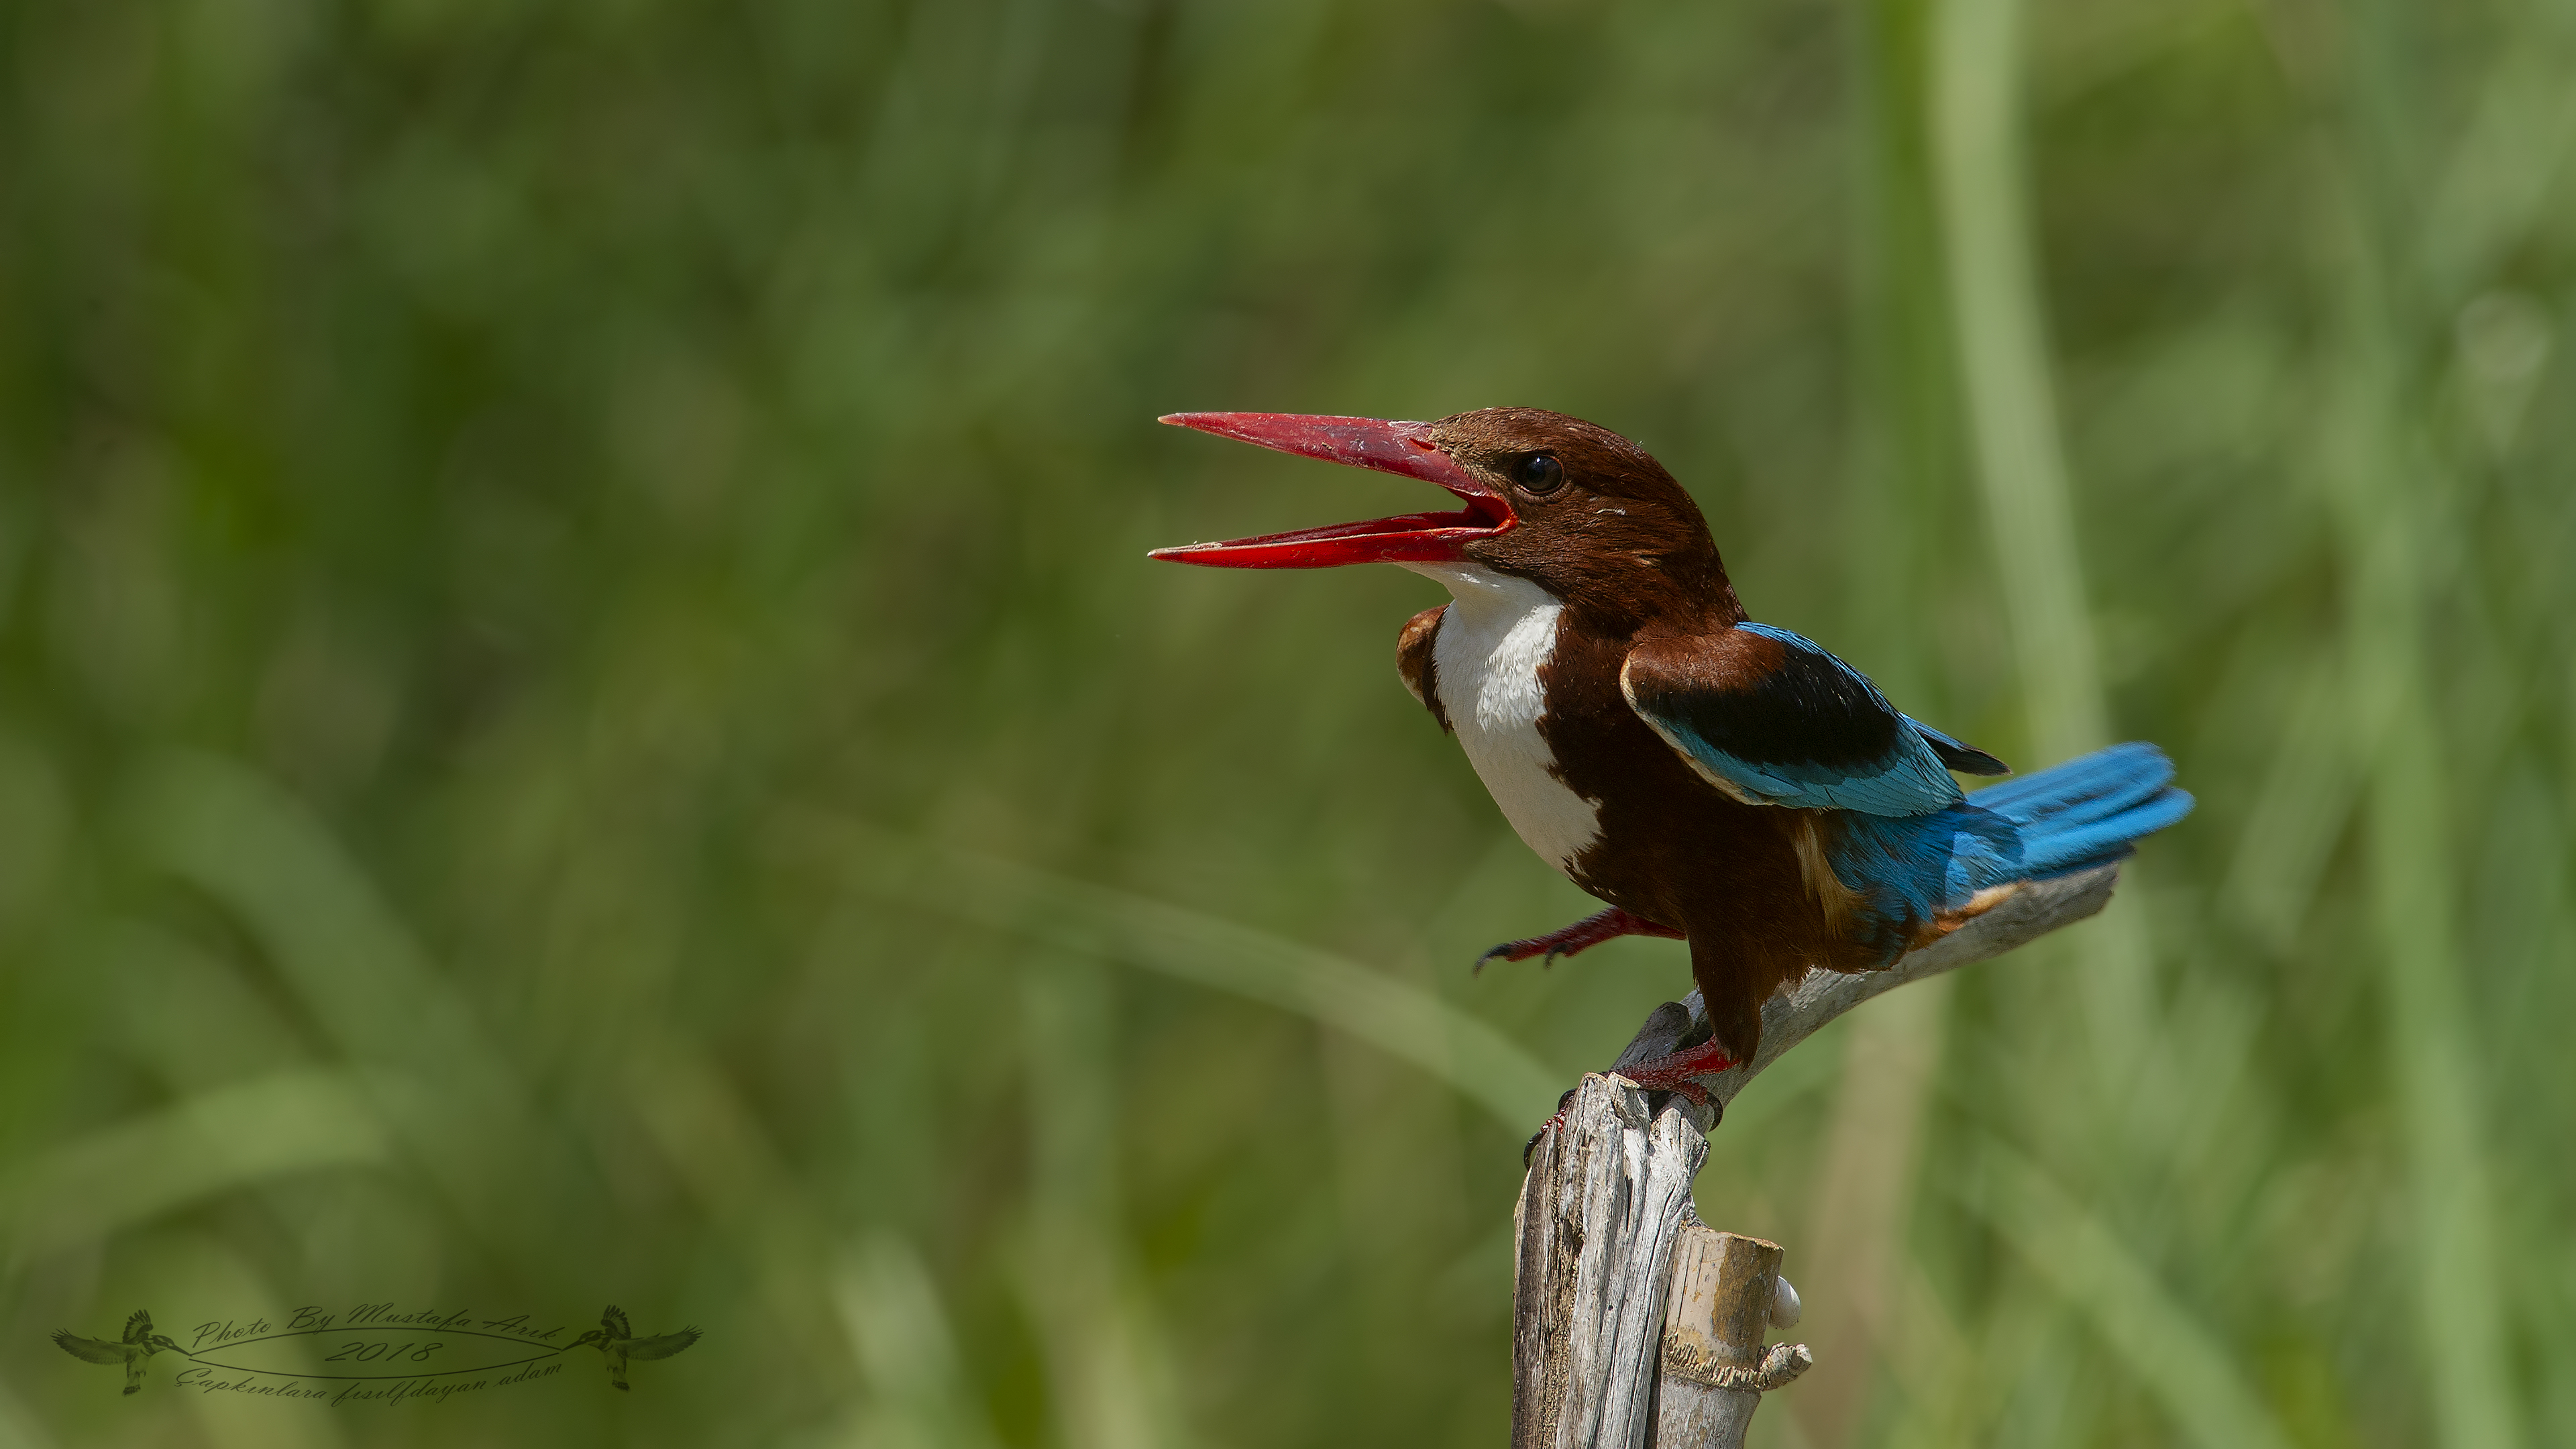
(1539, 473)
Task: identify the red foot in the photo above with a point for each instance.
(1584, 934)
(1676, 1073)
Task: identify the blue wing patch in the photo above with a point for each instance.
(1772, 719)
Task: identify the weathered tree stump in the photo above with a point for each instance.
(1600, 1211)
(1632, 1323)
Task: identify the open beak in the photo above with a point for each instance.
(1404, 448)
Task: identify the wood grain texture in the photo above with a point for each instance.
(1603, 1204)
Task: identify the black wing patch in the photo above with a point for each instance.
(1957, 754)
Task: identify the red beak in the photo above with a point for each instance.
(1404, 448)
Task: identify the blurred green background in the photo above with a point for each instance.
(582, 717)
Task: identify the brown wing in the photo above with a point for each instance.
(1413, 660)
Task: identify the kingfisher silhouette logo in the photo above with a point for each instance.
(134, 1350)
(617, 1343)
(373, 1353)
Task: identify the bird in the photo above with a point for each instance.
(1708, 778)
(617, 1343)
(134, 1350)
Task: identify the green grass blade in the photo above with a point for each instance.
(1406, 1022)
(2193, 1376)
(2004, 371)
(92, 1188)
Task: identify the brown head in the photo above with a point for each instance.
(1575, 508)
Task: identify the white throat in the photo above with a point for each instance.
(1486, 660)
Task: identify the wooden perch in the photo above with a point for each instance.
(1595, 1251)
(1633, 1324)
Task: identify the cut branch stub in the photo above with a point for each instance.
(1715, 1369)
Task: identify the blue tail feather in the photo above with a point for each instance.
(2082, 813)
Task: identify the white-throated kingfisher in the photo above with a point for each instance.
(1711, 779)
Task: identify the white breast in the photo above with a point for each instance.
(1486, 657)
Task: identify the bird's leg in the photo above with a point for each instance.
(1581, 936)
(1676, 1073)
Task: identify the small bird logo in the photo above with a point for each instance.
(617, 1343)
(133, 1351)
